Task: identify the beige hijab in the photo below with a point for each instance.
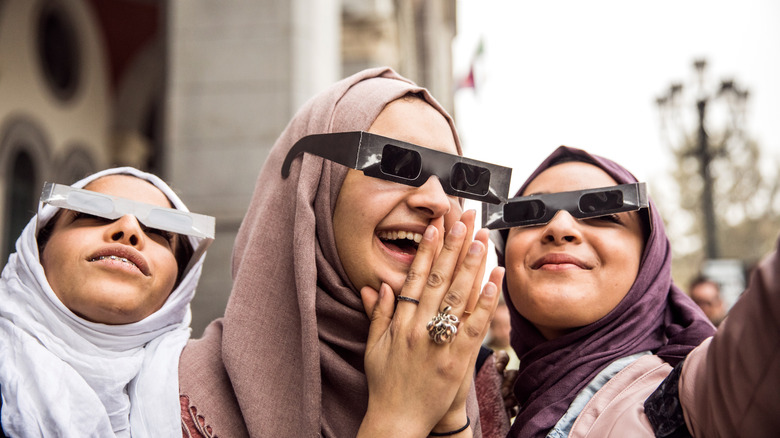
(287, 358)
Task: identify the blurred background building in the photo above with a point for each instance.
(196, 91)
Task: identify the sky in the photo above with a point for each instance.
(587, 74)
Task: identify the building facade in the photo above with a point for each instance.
(196, 91)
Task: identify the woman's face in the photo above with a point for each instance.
(375, 221)
(569, 273)
(79, 266)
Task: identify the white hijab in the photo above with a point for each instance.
(61, 375)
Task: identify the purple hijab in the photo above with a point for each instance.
(654, 315)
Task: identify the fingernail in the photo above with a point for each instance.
(475, 248)
(458, 229)
(382, 290)
(490, 290)
(429, 232)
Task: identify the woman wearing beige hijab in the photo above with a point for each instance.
(311, 344)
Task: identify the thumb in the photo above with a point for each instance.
(370, 298)
(382, 313)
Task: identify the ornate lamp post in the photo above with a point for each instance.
(704, 152)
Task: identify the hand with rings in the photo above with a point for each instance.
(420, 352)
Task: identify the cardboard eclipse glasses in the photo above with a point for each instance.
(113, 207)
(533, 210)
(406, 163)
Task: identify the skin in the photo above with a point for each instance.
(360, 219)
(446, 269)
(111, 291)
(500, 327)
(707, 296)
(569, 273)
(414, 383)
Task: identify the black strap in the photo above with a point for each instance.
(484, 353)
(664, 410)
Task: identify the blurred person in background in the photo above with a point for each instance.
(706, 294)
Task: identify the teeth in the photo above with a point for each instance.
(395, 235)
(113, 257)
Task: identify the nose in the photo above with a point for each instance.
(126, 230)
(563, 228)
(430, 199)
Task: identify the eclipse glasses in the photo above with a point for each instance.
(112, 207)
(525, 211)
(406, 163)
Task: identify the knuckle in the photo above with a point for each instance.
(449, 245)
(446, 369)
(470, 331)
(454, 299)
(413, 276)
(413, 338)
(435, 279)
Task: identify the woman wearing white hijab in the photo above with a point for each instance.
(90, 344)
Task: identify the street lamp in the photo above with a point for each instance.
(705, 152)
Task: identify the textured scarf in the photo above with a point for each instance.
(62, 375)
(654, 315)
(286, 360)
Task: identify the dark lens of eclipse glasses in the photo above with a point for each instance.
(520, 212)
(470, 179)
(601, 201)
(400, 162)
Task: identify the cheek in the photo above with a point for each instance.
(53, 253)
(516, 249)
(167, 267)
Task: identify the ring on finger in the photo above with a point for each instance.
(443, 327)
(407, 299)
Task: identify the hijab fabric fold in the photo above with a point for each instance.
(286, 360)
(654, 315)
(62, 375)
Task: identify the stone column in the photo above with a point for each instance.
(237, 71)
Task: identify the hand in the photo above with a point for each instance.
(511, 405)
(413, 382)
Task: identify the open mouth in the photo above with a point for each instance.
(405, 242)
(117, 255)
(115, 258)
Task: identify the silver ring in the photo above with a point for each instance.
(443, 327)
(408, 299)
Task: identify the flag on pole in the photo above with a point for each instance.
(469, 80)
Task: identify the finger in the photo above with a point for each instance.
(439, 224)
(440, 276)
(369, 296)
(474, 327)
(468, 218)
(421, 267)
(461, 289)
(482, 236)
(382, 315)
(502, 359)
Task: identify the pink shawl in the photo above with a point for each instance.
(287, 357)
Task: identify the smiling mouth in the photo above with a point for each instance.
(405, 242)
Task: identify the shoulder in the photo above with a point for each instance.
(617, 409)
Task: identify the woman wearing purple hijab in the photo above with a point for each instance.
(608, 345)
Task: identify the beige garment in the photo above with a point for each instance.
(733, 384)
(287, 358)
(729, 385)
